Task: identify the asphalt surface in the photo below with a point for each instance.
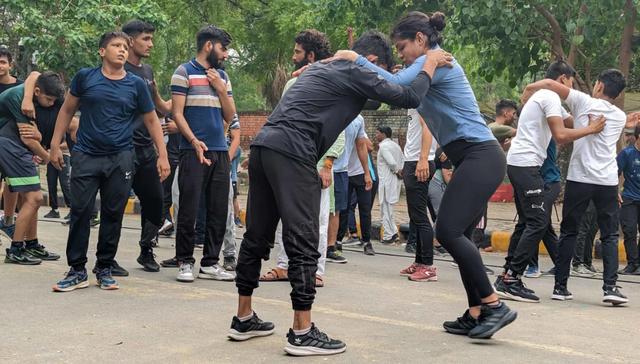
(383, 317)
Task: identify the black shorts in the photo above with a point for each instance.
(235, 188)
(17, 166)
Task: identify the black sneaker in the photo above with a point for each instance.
(629, 269)
(170, 263)
(95, 222)
(338, 246)
(198, 246)
(116, 270)
(315, 342)
(393, 239)
(53, 214)
(613, 296)
(462, 325)
(515, 290)
(68, 216)
(492, 319)
(229, 264)
(561, 293)
(20, 256)
(147, 260)
(254, 327)
(410, 248)
(368, 249)
(335, 256)
(439, 250)
(40, 252)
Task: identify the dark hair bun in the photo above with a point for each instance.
(437, 21)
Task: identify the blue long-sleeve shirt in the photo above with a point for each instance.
(450, 108)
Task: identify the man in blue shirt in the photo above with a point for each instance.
(629, 170)
(110, 100)
(202, 101)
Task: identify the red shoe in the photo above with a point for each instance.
(424, 273)
(409, 270)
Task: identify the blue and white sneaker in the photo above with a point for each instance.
(73, 280)
(8, 229)
(105, 280)
(533, 271)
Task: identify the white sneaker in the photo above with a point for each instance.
(215, 272)
(166, 226)
(185, 273)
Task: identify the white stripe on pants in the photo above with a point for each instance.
(283, 260)
(388, 221)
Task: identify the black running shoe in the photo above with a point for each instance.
(561, 293)
(335, 256)
(492, 319)
(229, 264)
(147, 260)
(629, 269)
(53, 214)
(439, 250)
(40, 252)
(515, 290)
(368, 249)
(170, 263)
(116, 270)
(410, 248)
(462, 325)
(20, 256)
(315, 342)
(254, 327)
(613, 296)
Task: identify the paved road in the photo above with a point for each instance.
(383, 317)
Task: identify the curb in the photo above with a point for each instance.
(500, 242)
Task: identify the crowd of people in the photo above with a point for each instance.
(309, 167)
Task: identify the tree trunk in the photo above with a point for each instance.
(573, 51)
(556, 30)
(631, 14)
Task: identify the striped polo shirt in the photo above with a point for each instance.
(202, 109)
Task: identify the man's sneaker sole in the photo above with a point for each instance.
(311, 350)
(430, 279)
(534, 275)
(111, 287)
(504, 321)
(615, 300)
(80, 285)
(215, 278)
(185, 279)
(11, 261)
(242, 336)
(512, 297)
(338, 261)
(559, 297)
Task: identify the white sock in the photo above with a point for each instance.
(245, 318)
(302, 332)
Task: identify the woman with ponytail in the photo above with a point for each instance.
(451, 112)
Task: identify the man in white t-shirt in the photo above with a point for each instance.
(541, 118)
(592, 176)
(417, 171)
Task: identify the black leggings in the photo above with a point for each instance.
(479, 170)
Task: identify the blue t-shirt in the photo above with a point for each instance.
(549, 170)
(629, 165)
(202, 108)
(109, 109)
(450, 108)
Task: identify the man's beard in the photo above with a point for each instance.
(214, 62)
(301, 64)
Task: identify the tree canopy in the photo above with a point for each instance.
(501, 43)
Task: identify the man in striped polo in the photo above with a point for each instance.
(202, 101)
